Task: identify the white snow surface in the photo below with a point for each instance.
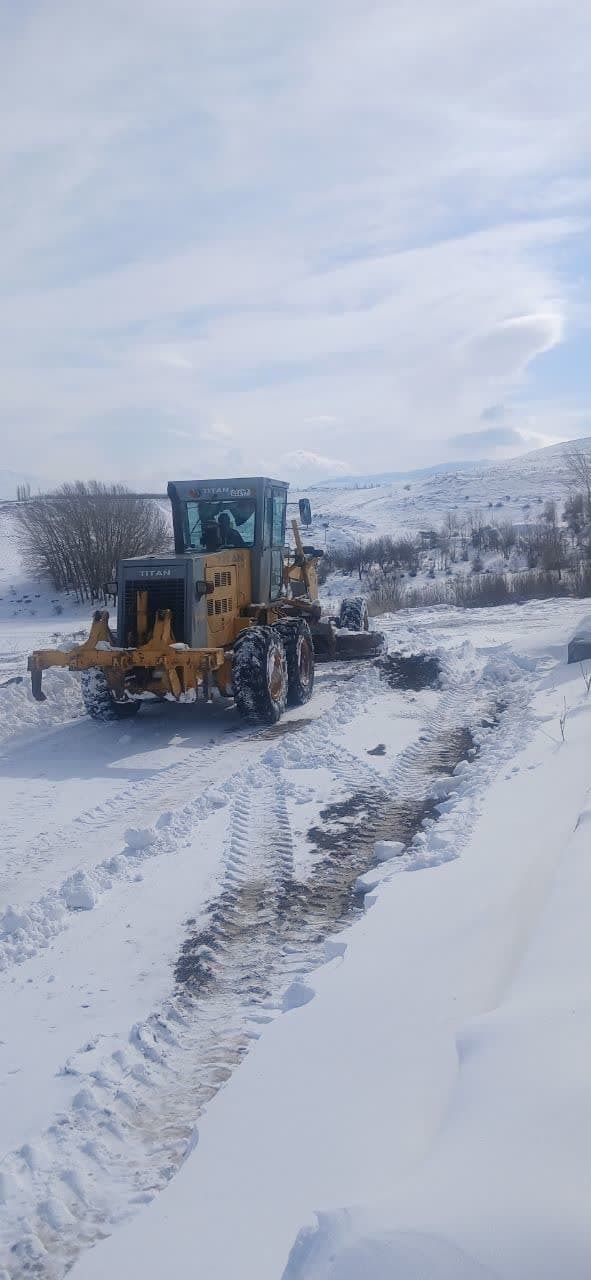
(421, 1108)
(391, 1084)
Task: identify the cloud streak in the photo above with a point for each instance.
(361, 219)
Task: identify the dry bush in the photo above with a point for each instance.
(481, 591)
(387, 598)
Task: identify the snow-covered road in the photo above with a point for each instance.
(166, 888)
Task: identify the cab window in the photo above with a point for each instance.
(214, 526)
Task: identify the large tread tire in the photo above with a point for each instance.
(353, 615)
(99, 701)
(259, 675)
(299, 651)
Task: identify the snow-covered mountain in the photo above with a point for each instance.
(510, 490)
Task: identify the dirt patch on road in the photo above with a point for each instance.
(254, 921)
(414, 671)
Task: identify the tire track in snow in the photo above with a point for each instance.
(132, 1118)
(133, 1115)
(26, 931)
(127, 805)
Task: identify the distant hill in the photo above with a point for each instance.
(387, 477)
(544, 456)
(356, 507)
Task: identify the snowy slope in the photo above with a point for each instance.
(512, 490)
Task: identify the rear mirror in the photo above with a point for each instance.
(305, 512)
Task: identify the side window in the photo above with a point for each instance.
(278, 530)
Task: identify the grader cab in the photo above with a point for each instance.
(234, 609)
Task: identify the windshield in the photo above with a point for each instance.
(212, 526)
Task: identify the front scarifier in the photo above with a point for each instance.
(233, 611)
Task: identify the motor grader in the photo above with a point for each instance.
(234, 609)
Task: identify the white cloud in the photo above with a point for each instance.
(303, 466)
(508, 348)
(352, 219)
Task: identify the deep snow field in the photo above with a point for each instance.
(308, 1002)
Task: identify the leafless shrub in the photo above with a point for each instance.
(507, 537)
(76, 536)
(563, 719)
(586, 674)
(477, 591)
(391, 555)
(580, 580)
(550, 514)
(386, 598)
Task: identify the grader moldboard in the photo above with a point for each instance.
(234, 609)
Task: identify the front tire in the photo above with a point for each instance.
(259, 675)
(353, 615)
(99, 700)
(299, 650)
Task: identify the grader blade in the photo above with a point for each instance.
(333, 644)
(351, 645)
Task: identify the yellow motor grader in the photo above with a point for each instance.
(233, 609)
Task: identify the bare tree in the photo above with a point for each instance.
(507, 537)
(578, 463)
(76, 536)
(550, 514)
(563, 719)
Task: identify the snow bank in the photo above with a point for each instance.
(21, 716)
(337, 1250)
(504, 1191)
(80, 892)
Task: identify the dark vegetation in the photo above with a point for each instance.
(482, 559)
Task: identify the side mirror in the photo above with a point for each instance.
(110, 589)
(305, 512)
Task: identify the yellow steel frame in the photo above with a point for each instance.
(182, 669)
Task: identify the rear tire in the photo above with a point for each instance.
(299, 651)
(353, 614)
(259, 675)
(99, 700)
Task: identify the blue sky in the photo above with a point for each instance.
(305, 239)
